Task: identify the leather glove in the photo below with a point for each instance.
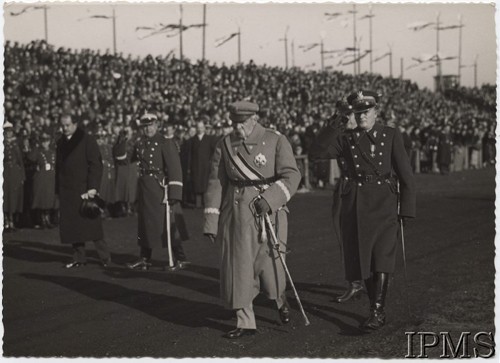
(211, 237)
(262, 207)
(91, 193)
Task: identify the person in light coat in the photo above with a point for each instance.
(253, 173)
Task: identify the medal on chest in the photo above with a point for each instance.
(260, 160)
(372, 150)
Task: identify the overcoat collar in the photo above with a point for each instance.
(66, 146)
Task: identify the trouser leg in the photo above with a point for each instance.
(102, 250)
(246, 318)
(146, 253)
(79, 252)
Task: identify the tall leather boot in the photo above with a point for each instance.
(353, 292)
(376, 320)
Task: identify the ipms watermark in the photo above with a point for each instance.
(421, 343)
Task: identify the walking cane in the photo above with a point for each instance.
(277, 246)
(164, 184)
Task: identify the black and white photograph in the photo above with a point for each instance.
(270, 180)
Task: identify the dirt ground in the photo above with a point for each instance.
(92, 312)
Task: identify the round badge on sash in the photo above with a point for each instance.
(47, 167)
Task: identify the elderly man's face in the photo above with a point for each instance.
(68, 126)
(244, 129)
(366, 119)
(150, 130)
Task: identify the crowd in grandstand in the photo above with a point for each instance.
(107, 93)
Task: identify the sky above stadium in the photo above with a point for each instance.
(85, 25)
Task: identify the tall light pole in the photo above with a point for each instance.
(390, 61)
(459, 47)
(475, 71)
(204, 33)
(181, 53)
(438, 60)
(114, 31)
(293, 53)
(239, 45)
(354, 34)
(45, 24)
(371, 37)
(402, 67)
(322, 35)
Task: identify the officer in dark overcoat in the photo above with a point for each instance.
(375, 160)
(14, 176)
(159, 164)
(78, 176)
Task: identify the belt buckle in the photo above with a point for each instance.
(369, 178)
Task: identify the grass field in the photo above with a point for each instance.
(91, 312)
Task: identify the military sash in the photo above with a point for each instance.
(241, 165)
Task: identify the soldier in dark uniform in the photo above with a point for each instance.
(343, 120)
(374, 155)
(14, 176)
(158, 163)
(253, 173)
(126, 173)
(445, 150)
(44, 180)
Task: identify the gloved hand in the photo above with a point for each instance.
(172, 202)
(211, 237)
(90, 194)
(262, 207)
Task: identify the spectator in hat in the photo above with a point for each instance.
(78, 177)
(14, 176)
(374, 157)
(253, 174)
(202, 149)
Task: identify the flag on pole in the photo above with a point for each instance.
(27, 9)
(345, 63)
(448, 27)
(331, 16)
(97, 17)
(367, 16)
(419, 25)
(308, 47)
(223, 40)
(381, 57)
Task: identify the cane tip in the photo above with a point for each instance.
(307, 323)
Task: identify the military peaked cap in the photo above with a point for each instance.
(364, 101)
(240, 111)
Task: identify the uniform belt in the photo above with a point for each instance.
(253, 183)
(368, 178)
(151, 172)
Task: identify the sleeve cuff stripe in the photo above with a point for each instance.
(121, 157)
(211, 211)
(175, 183)
(284, 189)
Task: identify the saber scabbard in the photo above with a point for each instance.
(277, 246)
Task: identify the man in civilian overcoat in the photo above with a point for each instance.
(375, 160)
(202, 149)
(78, 176)
(253, 173)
